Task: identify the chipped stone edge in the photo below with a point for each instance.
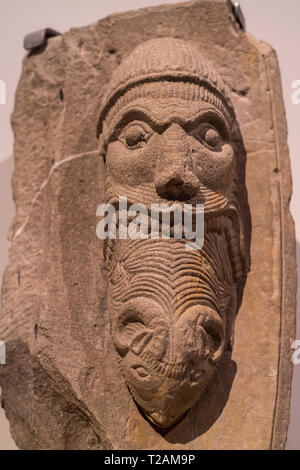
(288, 271)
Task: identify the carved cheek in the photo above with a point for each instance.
(213, 168)
(130, 167)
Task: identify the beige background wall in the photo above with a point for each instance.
(275, 21)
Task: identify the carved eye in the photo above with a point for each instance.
(209, 135)
(135, 135)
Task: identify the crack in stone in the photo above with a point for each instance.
(44, 184)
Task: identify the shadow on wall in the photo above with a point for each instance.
(6, 216)
(293, 442)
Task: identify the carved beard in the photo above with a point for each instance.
(172, 313)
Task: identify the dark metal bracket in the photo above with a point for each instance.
(238, 14)
(39, 38)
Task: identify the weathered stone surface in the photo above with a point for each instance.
(169, 139)
(62, 387)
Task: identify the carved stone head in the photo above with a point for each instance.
(165, 132)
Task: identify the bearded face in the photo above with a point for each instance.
(172, 309)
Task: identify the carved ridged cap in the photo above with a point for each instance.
(166, 59)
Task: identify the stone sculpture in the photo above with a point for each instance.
(128, 343)
(165, 133)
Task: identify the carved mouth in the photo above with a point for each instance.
(164, 421)
(180, 191)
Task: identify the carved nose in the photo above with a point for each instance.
(174, 179)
